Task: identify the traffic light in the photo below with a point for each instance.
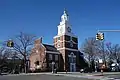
(10, 43)
(99, 36)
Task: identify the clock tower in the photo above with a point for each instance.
(67, 44)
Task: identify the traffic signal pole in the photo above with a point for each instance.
(108, 30)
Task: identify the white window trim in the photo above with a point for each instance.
(65, 34)
(70, 55)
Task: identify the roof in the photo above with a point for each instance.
(50, 48)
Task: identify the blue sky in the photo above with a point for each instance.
(41, 18)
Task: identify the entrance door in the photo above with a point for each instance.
(72, 67)
(72, 61)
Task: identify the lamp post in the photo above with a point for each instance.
(53, 64)
(96, 66)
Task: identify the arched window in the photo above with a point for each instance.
(72, 54)
(72, 58)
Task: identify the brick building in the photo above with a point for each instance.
(64, 53)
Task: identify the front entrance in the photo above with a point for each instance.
(72, 62)
(72, 67)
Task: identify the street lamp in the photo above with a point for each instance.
(53, 64)
(96, 66)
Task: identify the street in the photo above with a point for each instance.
(61, 76)
(114, 77)
(39, 77)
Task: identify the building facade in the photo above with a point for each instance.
(42, 56)
(64, 52)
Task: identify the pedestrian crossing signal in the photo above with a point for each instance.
(100, 36)
(10, 44)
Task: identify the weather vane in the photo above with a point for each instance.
(65, 11)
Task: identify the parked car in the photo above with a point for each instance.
(115, 67)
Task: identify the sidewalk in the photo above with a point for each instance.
(93, 74)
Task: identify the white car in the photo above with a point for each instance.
(115, 67)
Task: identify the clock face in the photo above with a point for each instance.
(69, 29)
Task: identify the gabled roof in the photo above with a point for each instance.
(50, 48)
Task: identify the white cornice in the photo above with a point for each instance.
(65, 41)
(69, 34)
(68, 49)
(52, 52)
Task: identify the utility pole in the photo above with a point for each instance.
(10, 44)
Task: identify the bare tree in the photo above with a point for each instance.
(89, 47)
(114, 51)
(1, 52)
(101, 50)
(4, 55)
(22, 44)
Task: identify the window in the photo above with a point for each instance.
(72, 54)
(74, 60)
(71, 38)
(58, 38)
(56, 57)
(37, 63)
(71, 44)
(50, 56)
(67, 38)
(75, 40)
(50, 65)
(69, 59)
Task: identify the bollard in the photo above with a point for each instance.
(66, 71)
(101, 71)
